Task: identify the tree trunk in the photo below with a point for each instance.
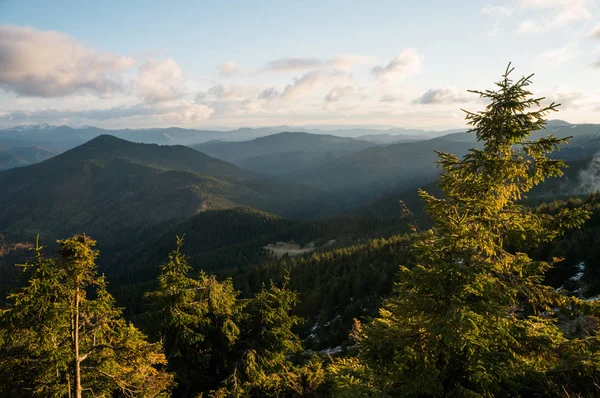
(76, 347)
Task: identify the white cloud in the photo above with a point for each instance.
(561, 94)
(347, 61)
(160, 81)
(52, 64)
(406, 64)
(222, 91)
(387, 98)
(594, 33)
(178, 112)
(227, 68)
(185, 112)
(343, 62)
(268, 94)
(444, 95)
(340, 92)
(293, 64)
(558, 55)
(559, 13)
(303, 86)
(497, 11)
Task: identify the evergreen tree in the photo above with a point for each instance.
(63, 335)
(197, 321)
(266, 344)
(220, 345)
(473, 317)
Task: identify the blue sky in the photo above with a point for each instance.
(257, 63)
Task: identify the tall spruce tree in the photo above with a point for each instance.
(221, 345)
(197, 321)
(63, 335)
(473, 317)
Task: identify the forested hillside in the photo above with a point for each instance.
(113, 188)
(283, 153)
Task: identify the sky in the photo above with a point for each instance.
(228, 64)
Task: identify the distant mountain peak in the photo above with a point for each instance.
(107, 141)
(30, 127)
(558, 122)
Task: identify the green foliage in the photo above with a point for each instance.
(196, 319)
(55, 337)
(473, 318)
(219, 344)
(335, 285)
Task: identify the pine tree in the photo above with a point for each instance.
(473, 317)
(221, 345)
(196, 319)
(63, 335)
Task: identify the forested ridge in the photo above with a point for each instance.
(466, 287)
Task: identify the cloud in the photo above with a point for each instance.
(443, 95)
(406, 64)
(559, 13)
(51, 64)
(342, 62)
(558, 55)
(221, 96)
(185, 113)
(347, 61)
(160, 81)
(497, 11)
(594, 33)
(221, 91)
(338, 93)
(387, 98)
(303, 86)
(176, 112)
(268, 94)
(569, 100)
(293, 64)
(227, 68)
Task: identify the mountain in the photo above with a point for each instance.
(22, 156)
(112, 188)
(283, 153)
(366, 131)
(369, 173)
(385, 139)
(66, 137)
(361, 176)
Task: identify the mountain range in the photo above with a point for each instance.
(325, 193)
(108, 186)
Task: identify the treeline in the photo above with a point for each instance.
(62, 335)
(335, 286)
(228, 242)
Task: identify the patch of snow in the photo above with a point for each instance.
(577, 276)
(580, 268)
(29, 127)
(332, 351)
(333, 320)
